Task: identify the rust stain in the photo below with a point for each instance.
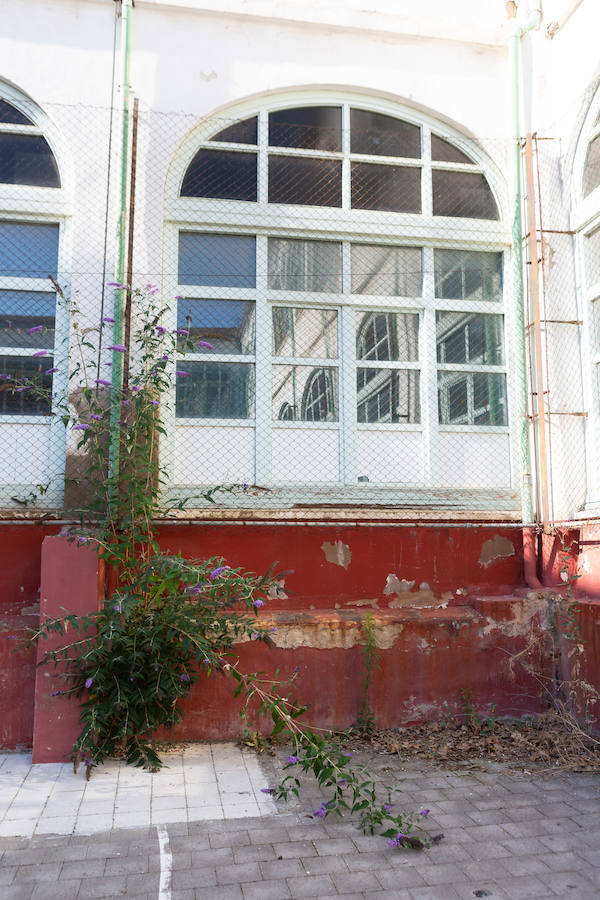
(337, 553)
(498, 547)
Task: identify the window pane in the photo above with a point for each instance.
(390, 336)
(389, 188)
(470, 338)
(381, 135)
(228, 325)
(466, 195)
(215, 391)
(25, 402)
(305, 394)
(596, 324)
(387, 271)
(305, 332)
(305, 265)
(239, 133)
(27, 159)
(28, 251)
(11, 116)
(472, 398)
(222, 174)
(468, 275)
(21, 311)
(305, 182)
(217, 260)
(309, 127)
(592, 257)
(388, 395)
(443, 151)
(591, 173)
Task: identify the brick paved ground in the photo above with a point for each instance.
(506, 836)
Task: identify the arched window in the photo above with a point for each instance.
(345, 229)
(30, 249)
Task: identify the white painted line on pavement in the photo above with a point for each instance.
(166, 863)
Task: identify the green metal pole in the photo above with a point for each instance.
(117, 360)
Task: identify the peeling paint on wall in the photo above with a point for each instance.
(423, 598)
(374, 604)
(276, 590)
(337, 553)
(394, 585)
(524, 610)
(343, 631)
(498, 547)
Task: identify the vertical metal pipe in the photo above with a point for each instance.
(130, 233)
(117, 361)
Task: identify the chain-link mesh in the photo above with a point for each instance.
(347, 281)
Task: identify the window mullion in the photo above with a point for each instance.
(426, 183)
(263, 367)
(429, 391)
(348, 410)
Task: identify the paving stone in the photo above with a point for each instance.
(346, 882)
(225, 892)
(266, 890)
(295, 849)
(83, 868)
(565, 883)
(237, 874)
(102, 887)
(7, 873)
(41, 872)
(18, 891)
(61, 890)
(211, 857)
(229, 839)
(310, 886)
(129, 865)
(253, 853)
(407, 877)
(439, 874)
(324, 865)
(527, 886)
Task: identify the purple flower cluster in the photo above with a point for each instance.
(291, 759)
(424, 812)
(184, 677)
(218, 571)
(258, 603)
(397, 841)
(321, 812)
(88, 683)
(118, 348)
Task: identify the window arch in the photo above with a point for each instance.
(346, 226)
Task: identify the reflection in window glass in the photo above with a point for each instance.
(27, 159)
(387, 336)
(305, 182)
(308, 127)
(465, 195)
(472, 398)
(380, 135)
(239, 133)
(468, 275)
(25, 403)
(443, 151)
(305, 332)
(227, 325)
(9, 115)
(212, 390)
(469, 338)
(387, 271)
(305, 265)
(305, 394)
(221, 174)
(591, 173)
(217, 260)
(21, 311)
(592, 257)
(28, 251)
(386, 188)
(388, 395)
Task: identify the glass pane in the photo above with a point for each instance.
(28, 251)
(391, 336)
(305, 265)
(468, 275)
(305, 394)
(465, 195)
(222, 174)
(217, 260)
(215, 391)
(470, 338)
(25, 403)
(596, 324)
(306, 182)
(308, 127)
(471, 398)
(387, 271)
(227, 325)
(591, 173)
(239, 133)
(389, 188)
(11, 116)
(21, 311)
(388, 395)
(27, 159)
(443, 151)
(592, 257)
(305, 332)
(381, 135)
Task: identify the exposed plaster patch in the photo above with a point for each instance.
(374, 604)
(498, 547)
(337, 553)
(523, 612)
(329, 635)
(276, 590)
(423, 598)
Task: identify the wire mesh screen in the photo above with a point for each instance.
(342, 286)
